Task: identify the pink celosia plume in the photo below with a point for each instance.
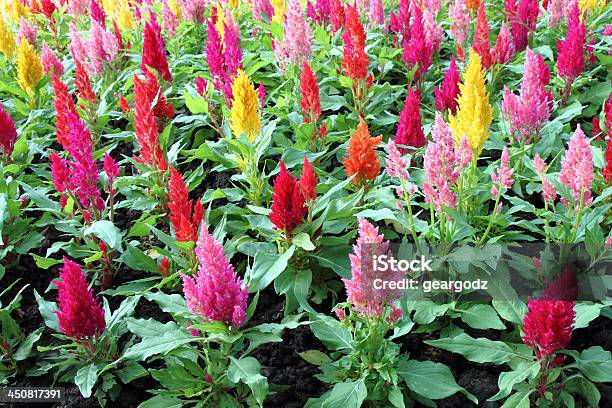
(577, 168)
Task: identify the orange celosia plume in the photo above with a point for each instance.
(362, 160)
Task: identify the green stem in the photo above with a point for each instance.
(492, 218)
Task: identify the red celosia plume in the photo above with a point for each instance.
(154, 50)
(308, 181)
(80, 314)
(311, 104)
(288, 209)
(481, 37)
(185, 215)
(8, 133)
(63, 105)
(146, 128)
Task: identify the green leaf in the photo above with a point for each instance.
(479, 350)
(107, 232)
(86, 378)
(138, 260)
(586, 313)
(596, 364)
(333, 334)
(174, 304)
(45, 263)
(582, 386)
(508, 379)
(163, 344)
(396, 397)
(482, 317)
(25, 347)
(162, 401)
(430, 380)
(131, 371)
(266, 267)
(511, 310)
(315, 357)
(149, 327)
(518, 400)
(347, 394)
(46, 309)
(248, 371)
(196, 104)
(302, 240)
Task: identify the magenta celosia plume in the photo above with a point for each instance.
(502, 176)
(504, 46)
(409, 129)
(216, 293)
(577, 168)
(27, 31)
(418, 48)
(447, 93)
(50, 62)
(80, 314)
(8, 133)
(523, 17)
(570, 60)
(360, 289)
(548, 325)
(529, 111)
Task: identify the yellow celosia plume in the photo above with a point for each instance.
(592, 5)
(245, 118)
(125, 18)
(29, 68)
(474, 112)
(176, 8)
(14, 10)
(7, 40)
(279, 10)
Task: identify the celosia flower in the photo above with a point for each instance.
(337, 16)
(7, 40)
(447, 93)
(216, 60)
(354, 58)
(523, 18)
(124, 16)
(377, 13)
(78, 47)
(473, 4)
(607, 171)
(29, 69)
(433, 32)
(280, 8)
(245, 117)
(397, 165)
(111, 168)
(216, 293)
(50, 62)
(556, 10)
(570, 60)
(360, 289)
(261, 94)
(185, 215)
(504, 46)
(146, 128)
(232, 51)
(171, 21)
(308, 181)
(474, 112)
(97, 13)
(417, 48)
(83, 170)
(548, 191)
(101, 47)
(608, 115)
(409, 130)
(288, 202)
(194, 10)
(162, 110)
(80, 314)
(548, 325)
(481, 37)
(577, 168)
(60, 173)
(502, 176)
(263, 10)
(324, 11)
(63, 105)
(460, 20)
(298, 38)
(362, 160)
(310, 103)
(27, 31)
(154, 50)
(442, 167)
(83, 84)
(201, 86)
(529, 111)
(8, 133)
